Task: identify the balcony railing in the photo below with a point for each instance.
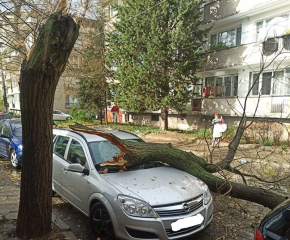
(69, 104)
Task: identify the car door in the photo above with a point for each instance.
(59, 163)
(74, 184)
(5, 139)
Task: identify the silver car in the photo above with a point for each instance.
(60, 116)
(148, 201)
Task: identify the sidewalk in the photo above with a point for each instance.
(9, 199)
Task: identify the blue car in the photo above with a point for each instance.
(11, 140)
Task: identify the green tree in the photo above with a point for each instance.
(93, 90)
(154, 53)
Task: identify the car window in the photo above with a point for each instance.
(6, 130)
(103, 151)
(280, 223)
(76, 153)
(16, 128)
(60, 146)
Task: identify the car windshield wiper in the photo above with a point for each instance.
(110, 169)
(114, 169)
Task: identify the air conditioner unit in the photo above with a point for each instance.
(270, 45)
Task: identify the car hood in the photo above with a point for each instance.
(157, 186)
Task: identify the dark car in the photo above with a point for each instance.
(11, 140)
(276, 224)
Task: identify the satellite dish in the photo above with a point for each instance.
(277, 27)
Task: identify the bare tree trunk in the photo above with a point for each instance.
(164, 119)
(40, 73)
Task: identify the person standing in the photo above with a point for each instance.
(217, 129)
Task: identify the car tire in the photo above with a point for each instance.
(68, 118)
(13, 159)
(101, 222)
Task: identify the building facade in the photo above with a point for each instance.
(247, 65)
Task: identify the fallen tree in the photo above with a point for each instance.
(137, 152)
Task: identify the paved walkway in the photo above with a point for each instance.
(9, 199)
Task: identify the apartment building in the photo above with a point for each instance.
(247, 65)
(247, 58)
(11, 59)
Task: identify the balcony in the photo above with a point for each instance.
(236, 57)
(222, 9)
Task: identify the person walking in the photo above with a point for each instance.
(217, 129)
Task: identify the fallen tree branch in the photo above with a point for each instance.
(138, 152)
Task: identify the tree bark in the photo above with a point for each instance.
(40, 73)
(136, 152)
(164, 119)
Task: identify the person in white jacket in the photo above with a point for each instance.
(217, 133)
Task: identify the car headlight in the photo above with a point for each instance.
(206, 193)
(135, 207)
(20, 147)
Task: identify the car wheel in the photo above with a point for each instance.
(69, 118)
(101, 222)
(13, 159)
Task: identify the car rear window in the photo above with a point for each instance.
(280, 223)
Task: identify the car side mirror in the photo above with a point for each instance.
(76, 167)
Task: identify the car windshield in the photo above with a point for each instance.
(103, 151)
(16, 129)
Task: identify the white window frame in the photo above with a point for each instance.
(219, 85)
(261, 32)
(279, 86)
(215, 38)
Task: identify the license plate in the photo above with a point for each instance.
(187, 222)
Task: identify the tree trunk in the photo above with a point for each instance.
(164, 119)
(40, 73)
(136, 152)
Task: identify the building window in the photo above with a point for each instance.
(261, 83)
(155, 117)
(197, 89)
(268, 27)
(70, 101)
(266, 83)
(271, 83)
(223, 86)
(229, 38)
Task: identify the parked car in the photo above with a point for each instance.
(276, 224)
(60, 116)
(11, 140)
(4, 115)
(148, 201)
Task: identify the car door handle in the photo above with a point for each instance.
(64, 171)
